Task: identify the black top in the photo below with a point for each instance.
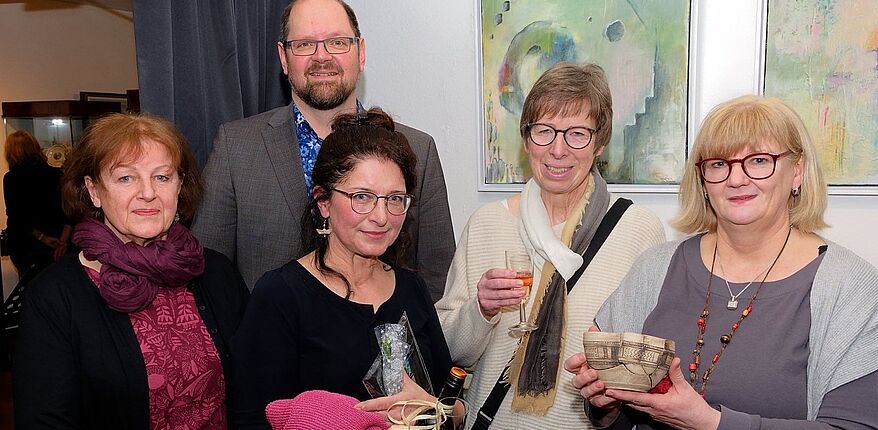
(298, 335)
(32, 192)
(78, 363)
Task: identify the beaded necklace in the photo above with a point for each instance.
(725, 339)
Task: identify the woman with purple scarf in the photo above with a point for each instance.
(133, 331)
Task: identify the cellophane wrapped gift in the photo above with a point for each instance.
(398, 352)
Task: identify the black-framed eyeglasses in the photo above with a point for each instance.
(364, 202)
(544, 134)
(332, 45)
(760, 165)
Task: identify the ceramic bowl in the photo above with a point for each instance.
(628, 361)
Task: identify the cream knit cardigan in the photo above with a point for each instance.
(484, 346)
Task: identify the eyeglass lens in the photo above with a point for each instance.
(576, 137)
(364, 202)
(334, 45)
(755, 166)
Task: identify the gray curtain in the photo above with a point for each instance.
(201, 63)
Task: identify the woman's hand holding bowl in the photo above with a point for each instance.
(591, 388)
(681, 407)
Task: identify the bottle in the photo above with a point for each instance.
(452, 391)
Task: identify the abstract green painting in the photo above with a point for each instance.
(642, 45)
(821, 56)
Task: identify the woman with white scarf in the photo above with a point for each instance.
(566, 123)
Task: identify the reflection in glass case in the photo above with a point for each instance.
(48, 131)
(56, 135)
(57, 125)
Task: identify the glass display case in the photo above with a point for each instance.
(57, 125)
(54, 122)
(48, 131)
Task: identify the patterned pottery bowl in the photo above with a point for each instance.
(628, 361)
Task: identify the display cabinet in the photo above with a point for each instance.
(57, 125)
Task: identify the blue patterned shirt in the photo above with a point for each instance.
(309, 144)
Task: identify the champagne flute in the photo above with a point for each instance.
(523, 267)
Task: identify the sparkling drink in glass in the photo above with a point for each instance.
(523, 267)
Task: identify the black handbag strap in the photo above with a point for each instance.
(498, 393)
(600, 236)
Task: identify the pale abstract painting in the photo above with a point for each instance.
(822, 58)
(642, 45)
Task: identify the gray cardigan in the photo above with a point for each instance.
(843, 338)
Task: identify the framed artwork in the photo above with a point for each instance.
(644, 48)
(821, 57)
(129, 100)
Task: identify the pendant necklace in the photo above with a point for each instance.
(725, 339)
(733, 303)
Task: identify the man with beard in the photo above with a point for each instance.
(258, 176)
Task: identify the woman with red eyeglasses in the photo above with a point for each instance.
(775, 326)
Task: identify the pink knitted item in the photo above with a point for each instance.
(321, 410)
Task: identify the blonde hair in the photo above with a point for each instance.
(747, 122)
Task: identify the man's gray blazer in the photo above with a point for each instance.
(255, 195)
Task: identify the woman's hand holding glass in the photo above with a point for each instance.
(499, 288)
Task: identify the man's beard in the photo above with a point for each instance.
(323, 95)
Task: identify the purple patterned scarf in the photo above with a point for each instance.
(132, 274)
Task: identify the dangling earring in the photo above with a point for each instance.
(176, 217)
(796, 191)
(326, 229)
(705, 196)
